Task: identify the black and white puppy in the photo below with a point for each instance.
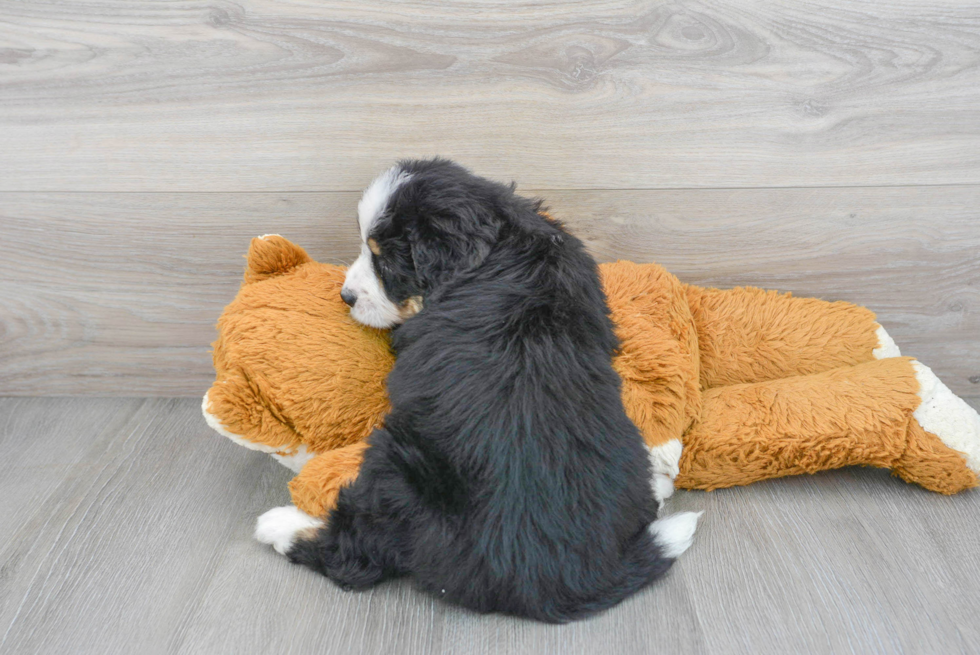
(507, 477)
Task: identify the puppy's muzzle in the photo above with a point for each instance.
(348, 297)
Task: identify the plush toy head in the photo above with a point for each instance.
(288, 380)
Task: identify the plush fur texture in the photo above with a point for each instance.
(507, 476)
(274, 351)
(860, 415)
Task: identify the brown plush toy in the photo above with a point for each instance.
(727, 387)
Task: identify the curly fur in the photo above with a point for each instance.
(507, 476)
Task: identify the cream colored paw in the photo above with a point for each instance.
(280, 527)
(665, 462)
(886, 345)
(947, 416)
(666, 458)
(663, 487)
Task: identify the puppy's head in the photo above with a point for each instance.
(422, 223)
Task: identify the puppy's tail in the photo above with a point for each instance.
(653, 553)
(647, 558)
(674, 534)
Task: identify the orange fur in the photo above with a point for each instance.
(658, 358)
(316, 487)
(927, 461)
(857, 415)
(752, 335)
(292, 366)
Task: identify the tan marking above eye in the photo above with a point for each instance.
(373, 246)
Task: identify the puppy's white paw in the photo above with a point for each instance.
(675, 533)
(665, 463)
(281, 526)
(666, 458)
(663, 487)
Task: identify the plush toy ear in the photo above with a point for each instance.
(270, 255)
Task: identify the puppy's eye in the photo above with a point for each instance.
(373, 246)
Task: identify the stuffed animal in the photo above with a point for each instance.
(727, 386)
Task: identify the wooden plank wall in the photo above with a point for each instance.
(829, 148)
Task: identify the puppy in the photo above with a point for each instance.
(507, 477)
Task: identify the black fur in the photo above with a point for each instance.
(507, 477)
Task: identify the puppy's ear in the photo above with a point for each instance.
(442, 249)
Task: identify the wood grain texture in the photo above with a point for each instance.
(126, 527)
(117, 294)
(279, 96)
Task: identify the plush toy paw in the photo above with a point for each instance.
(281, 527)
(886, 345)
(948, 416)
(215, 424)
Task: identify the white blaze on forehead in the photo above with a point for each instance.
(372, 306)
(375, 198)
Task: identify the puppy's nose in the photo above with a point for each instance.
(348, 296)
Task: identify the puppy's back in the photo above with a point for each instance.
(544, 507)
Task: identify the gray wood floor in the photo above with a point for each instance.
(126, 527)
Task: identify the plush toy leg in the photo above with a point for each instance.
(944, 430)
(751, 335)
(315, 489)
(890, 413)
